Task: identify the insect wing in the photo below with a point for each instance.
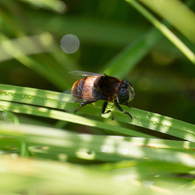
(83, 73)
(67, 96)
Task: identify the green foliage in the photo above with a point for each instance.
(47, 149)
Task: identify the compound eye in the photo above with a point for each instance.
(122, 96)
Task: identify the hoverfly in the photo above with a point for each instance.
(93, 87)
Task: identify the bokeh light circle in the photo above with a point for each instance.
(70, 43)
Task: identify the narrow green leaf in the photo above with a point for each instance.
(54, 73)
(175, 40)
(51, 99)
(53, 5)
(184, 21)
(50, 113)
(60, 178)
(116, 148)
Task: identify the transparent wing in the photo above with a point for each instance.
(83, 73)
(67, 96)
(68, 91)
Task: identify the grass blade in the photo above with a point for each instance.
(50, 99)
(175, 40)
(183, 22)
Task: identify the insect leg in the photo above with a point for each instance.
(83, 104)
(118, 106)
(104, 108)
(128, 105)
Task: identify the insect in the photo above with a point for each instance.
(93, 87)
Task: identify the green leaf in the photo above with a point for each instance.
(159, 25)
(184, 21)
(51, 99)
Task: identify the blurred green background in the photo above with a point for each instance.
(31, 56)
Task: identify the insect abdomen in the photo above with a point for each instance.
(83, 88)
